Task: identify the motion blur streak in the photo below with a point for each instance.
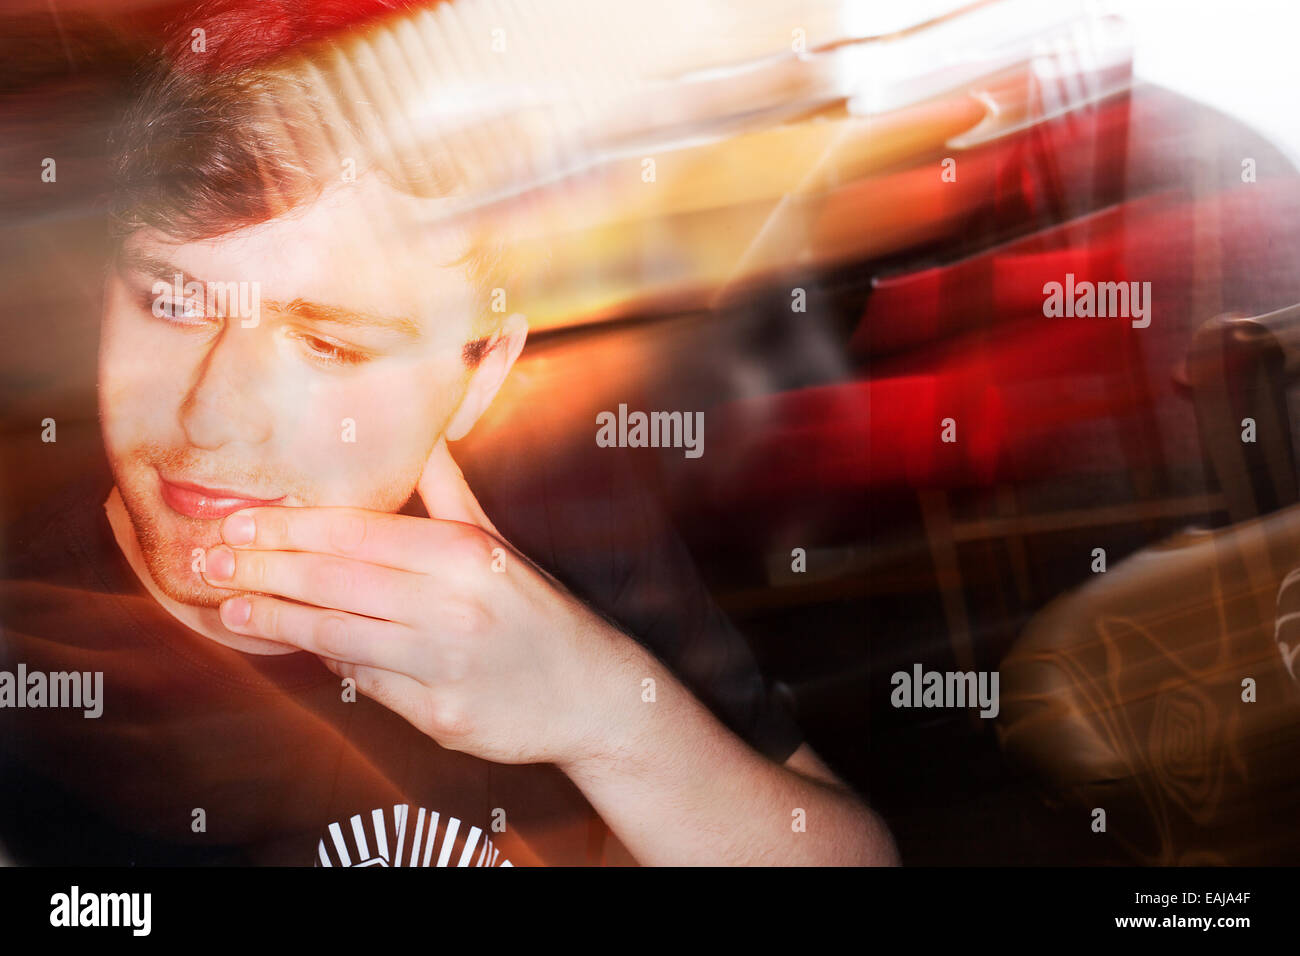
(832, 240)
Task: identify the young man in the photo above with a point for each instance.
(282, 525)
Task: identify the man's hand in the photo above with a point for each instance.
(438, 619)
(508, 666)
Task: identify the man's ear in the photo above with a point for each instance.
(486, 381)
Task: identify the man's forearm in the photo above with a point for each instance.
(678, 788)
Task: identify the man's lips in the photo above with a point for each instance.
(197, 501)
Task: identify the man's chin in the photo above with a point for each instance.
(175, 577)
(173, 556)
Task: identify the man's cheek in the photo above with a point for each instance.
(139, 377)
(384, 418)
(134, 410)
(383, 488)
(354, 460)
(121, 407)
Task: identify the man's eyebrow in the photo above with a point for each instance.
(158, 268)
(151, 266)
(355, 318)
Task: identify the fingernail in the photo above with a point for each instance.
(236, 612)
(239, 529)
(221, 563)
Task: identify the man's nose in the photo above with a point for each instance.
(225, 404)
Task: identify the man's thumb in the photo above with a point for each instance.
(446, 494)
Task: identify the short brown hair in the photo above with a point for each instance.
(222, 133)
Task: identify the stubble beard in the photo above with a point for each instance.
(169, 553)
(168, 540)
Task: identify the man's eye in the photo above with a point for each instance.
(167, 307)
(330, 353)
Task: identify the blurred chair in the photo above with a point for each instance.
(1157, 691)
(1238, 371)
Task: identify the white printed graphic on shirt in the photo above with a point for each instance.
(364, 842)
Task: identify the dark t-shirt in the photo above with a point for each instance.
(206, 755)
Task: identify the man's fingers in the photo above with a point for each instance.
(395, 541)
(446, 494)
(348, 638)
(399, 693)
(321, 580)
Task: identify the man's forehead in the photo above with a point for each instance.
(359, 246)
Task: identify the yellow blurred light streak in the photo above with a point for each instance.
(497, 136)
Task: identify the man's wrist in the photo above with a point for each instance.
(626, 680)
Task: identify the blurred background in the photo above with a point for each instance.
(852, 212)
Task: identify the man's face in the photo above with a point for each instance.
(334, 398)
